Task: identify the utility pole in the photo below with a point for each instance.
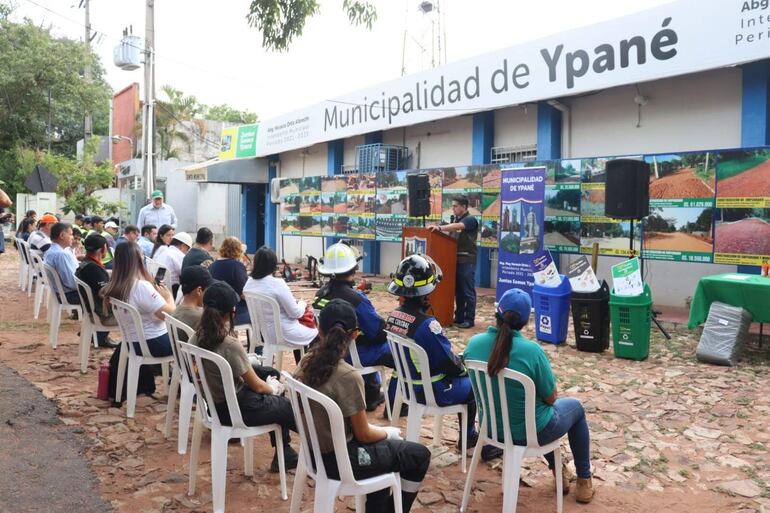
(148, 145)
(88, 129)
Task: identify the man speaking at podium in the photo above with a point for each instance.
(465, 228)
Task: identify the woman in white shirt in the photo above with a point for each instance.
(130, 282)
(165, 234)
(262, 281)
(172, 259)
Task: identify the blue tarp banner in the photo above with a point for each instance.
(522, 216)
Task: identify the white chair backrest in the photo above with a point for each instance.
(196, 358)
(404, 351)
(54, 281)
(130, 324)
(175, 327)
(301, 397)
(484, 387)
(37, 264)
(24, 250)
(265, 317)
(151, 265)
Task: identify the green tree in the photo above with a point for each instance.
(170, 116)
(280, 21)
(224, 112)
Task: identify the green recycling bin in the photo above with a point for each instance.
(630, 317)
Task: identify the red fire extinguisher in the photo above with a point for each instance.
(103, 387)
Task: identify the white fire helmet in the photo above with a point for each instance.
(339, 259)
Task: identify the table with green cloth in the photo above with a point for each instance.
(749, 291)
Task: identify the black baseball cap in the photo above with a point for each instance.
(194, 276)
(337, 312)
(220, 296)
(94, 242)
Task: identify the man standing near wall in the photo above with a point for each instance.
(157, 212)
(465, 228)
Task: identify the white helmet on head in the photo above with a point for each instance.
(339, 259)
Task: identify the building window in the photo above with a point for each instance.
(511, 154)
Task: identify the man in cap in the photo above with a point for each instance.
(91, 271)
(200, 253)
(194, 281)
(157, 212)
(40, 238)
(110, 233)
(173, 257)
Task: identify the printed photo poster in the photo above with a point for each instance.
(680, 225)
(415, 246)
(333, 204)
(462, 181)
(358, 219)
(490, 206)
(391, 206)
(562, 216)
(288, 187)
(522, 218)
(742, 236)
(290, 224)
(743, 178)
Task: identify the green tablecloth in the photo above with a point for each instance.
(749, 291)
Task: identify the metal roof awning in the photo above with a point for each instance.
(238, 171)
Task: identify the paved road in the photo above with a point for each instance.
(42, 464)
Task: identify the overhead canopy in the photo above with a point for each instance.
(237, 171)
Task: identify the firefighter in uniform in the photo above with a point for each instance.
(417, 276)
(340, 264)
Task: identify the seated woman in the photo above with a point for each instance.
(505, 347)
(262, 281)
(230, 269)
(257, 388)
(372, 450)
(131, 283)
(417, 276)
(163, 239)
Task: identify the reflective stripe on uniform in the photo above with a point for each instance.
(420, 283)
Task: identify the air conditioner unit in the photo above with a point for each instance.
(275, 190)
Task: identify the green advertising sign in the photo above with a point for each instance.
(247, 141)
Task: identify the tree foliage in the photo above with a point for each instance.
(224, 112)
(281, 21)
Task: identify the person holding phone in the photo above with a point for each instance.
(130, 282)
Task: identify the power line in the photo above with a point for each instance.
(162, 56)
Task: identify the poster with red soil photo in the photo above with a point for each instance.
(742, 236)
(743, 178)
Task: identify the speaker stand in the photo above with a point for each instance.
(653, 313)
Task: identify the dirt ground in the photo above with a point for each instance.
(462, 183)
(676, 241)
(749, 184)
(668, 434)
(681, 184)
(748, 237)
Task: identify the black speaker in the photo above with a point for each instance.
(627, 191)
(418, 187)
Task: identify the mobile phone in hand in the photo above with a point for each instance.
(160, 275)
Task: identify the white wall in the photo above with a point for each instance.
(349, 157)
(294, 164)
(693, 112)
(516, 126)
(446, 142)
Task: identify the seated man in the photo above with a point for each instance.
(416, 277)
(340, 264)
(130, 234)
(40, 239)
(194, 281)
(62, 259)
(92, 272)
(147, 239)
(200, 253)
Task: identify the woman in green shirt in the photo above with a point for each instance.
(504, 347)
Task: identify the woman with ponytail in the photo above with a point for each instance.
(372, 450)
(504, 347)
(258, 390)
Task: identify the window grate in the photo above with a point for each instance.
(511, 154)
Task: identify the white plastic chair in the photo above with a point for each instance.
(23, 264)
(26, 251)
(405, 350)
(265, 316)
(131, 331)
(207, 416)
(311, 462)
(38, 280)
(152, 266)
(57, 302)
(180, 382)
(513, 454)
(90, 325)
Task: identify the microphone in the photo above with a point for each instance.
(452, 218)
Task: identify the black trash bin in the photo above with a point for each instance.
(591, 319)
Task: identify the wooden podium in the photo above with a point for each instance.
(443, 250)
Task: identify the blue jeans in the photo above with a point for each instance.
(159, 346)
(568, 417)
(465, 293)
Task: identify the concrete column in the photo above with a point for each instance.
(481, 149)
(549, 124)
(371, 262)
(271, 209)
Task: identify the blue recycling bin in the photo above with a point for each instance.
(552, 311)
